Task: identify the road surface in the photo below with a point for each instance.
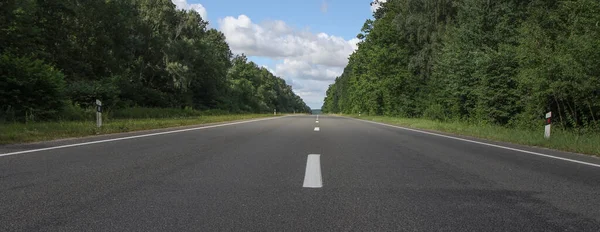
(283, 174)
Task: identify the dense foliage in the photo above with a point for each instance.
(58, 53)
(503, 62)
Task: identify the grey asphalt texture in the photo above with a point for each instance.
(248, 177)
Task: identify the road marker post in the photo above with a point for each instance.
(548, 125)
(98, 113)
(274, 111)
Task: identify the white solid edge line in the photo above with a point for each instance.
(487, 144)
(312, 175)
(136, 136)
(317, 129)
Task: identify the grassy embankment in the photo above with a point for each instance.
(133, 119)
(564, 140)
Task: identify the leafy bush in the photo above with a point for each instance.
(215, 112)
(435, 112)
(29, 89)
(74, 112)
(137, 94)
(143, 112)
(86, 92)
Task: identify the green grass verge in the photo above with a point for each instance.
(564, 140)
(43, 131)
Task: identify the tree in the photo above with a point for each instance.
(135, 53)
(502, 62)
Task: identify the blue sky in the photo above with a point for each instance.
(305, 42)
(343, 17)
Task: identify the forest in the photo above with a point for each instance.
(58, 56)
(499, 62)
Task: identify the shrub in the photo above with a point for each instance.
(435, 112)
(29, 89)
(74, 112)
(144, 112)
(86, 92)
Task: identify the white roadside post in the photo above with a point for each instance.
(548, 124)
(98, 113)
(274, 111)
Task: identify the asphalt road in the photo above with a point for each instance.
(254, 177)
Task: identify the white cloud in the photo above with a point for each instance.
(308, 61)
(311, 91)
(376, 4)
(299, 69)
(277, 40)
(183, 5)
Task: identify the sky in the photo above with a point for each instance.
(305, 42)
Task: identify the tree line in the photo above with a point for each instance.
(502, 62)
(55, 54)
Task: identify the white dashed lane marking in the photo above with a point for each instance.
(312, 176)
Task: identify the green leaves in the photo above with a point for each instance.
(256, 89)
(502, 62)
(126, 53)
(29, 89)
